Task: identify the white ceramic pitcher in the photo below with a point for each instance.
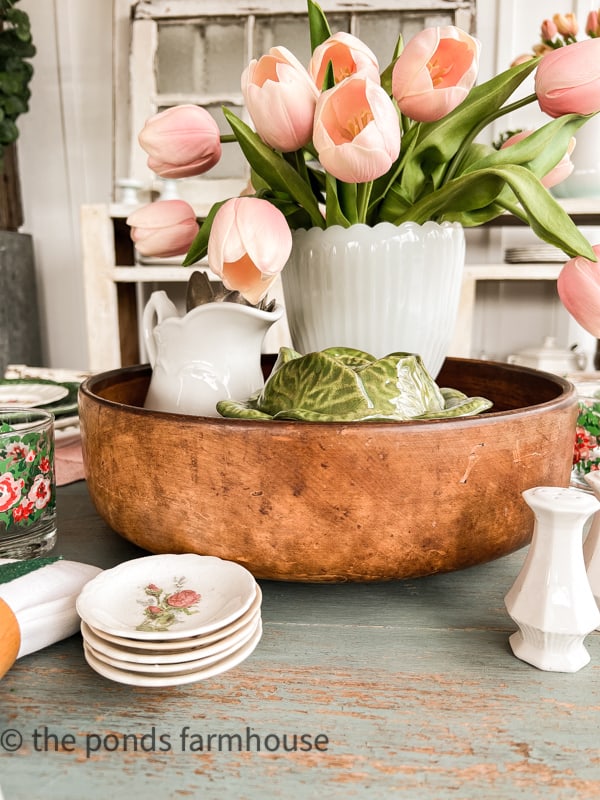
(211, 353)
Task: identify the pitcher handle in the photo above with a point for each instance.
(157, 309)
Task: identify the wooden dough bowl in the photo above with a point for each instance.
(330, 502)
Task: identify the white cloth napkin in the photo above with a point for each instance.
(43, 602)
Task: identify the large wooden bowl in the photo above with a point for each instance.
(334, 502)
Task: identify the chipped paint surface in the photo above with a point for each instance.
(413, 683)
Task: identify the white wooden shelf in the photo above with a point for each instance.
(111, 280)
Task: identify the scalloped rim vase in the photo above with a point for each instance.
(382, 289)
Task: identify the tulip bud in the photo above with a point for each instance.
(566, 25)
(549, 31)
(592, 26)
(356, 133)
(579, 290)
(347, 54)
(249, 244)
(163, 229)
(280, 96)
(181, 142)
(435, 72)
(567, 80)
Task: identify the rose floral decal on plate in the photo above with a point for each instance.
(163, 609)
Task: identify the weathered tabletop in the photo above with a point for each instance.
(412, 683)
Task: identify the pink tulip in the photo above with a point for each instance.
(558, 173)
(280, 97)
(347, 55)
(579, 289)
(592, 26)
(567, 80)
(549, 30)
(163, 229)
(356, 133)
(435, 72)
(181, 142)
(249, 244)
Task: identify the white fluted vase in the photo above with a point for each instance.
(551, 600)
(381, 289)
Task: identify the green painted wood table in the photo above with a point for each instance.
(405, 689)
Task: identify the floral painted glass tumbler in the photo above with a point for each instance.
(27, 484)
(586, 453)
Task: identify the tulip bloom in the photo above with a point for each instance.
(181, 142)
(347, 55)
(163, 229)
(435, 72)
(249, 244)
(558, 173)
(579, 290)
(356, 132)
(567, 80)
(280, 97)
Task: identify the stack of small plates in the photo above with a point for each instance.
(535, 254)
(170, 619)
(58, 398)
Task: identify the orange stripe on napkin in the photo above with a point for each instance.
(10, 637)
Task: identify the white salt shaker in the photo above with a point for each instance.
(551, 600)
(591, 545)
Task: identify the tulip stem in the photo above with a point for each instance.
(458, 157)
(227, 138)
(363, 195)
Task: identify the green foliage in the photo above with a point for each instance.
(16, 47)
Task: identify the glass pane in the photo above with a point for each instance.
(291, 32)
(207, 56)
(380, 31)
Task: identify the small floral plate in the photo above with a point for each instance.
(143, 679)
(167, 597)
(173, 647)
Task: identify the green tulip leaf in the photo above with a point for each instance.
(274, 169)
(539, 152)
(480, 188)
(199, 246)
(318, 25)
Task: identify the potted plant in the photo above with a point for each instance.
(19, 323)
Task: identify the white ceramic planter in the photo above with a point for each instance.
(383, 289)
(551, 600)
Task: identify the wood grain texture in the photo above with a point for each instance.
(329, 502)
(412, 681)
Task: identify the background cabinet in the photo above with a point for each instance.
(116, 287)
